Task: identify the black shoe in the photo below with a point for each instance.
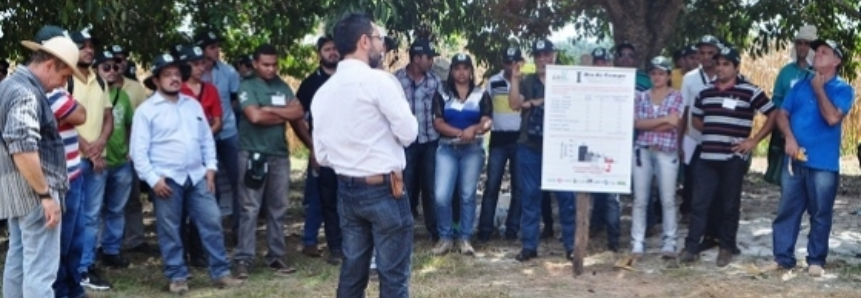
(569, 255)
(198, 262)
(335, 257)
(93, 281)
(526, 255)
(145, 248)
(240, 269)
(547, 233)
(688, 257)
(736, 251)
(483, 238)
(511, 237)
(115, 261)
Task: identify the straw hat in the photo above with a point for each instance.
(62, 48)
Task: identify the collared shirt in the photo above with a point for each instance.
(307, 90)
(462, 114)
(27, 124)
(95, 99)
(226, 80)
(420, 97)
(63, 105)
(532, 120)
(270, 140)
(362, 121)
(694, 81)
(666, 141)
(208, 98)
(727, 117)
(789, 75)
(172, 140)
(820, 140)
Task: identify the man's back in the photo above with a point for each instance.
(362, 121)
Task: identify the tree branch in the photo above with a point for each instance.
(848, 9)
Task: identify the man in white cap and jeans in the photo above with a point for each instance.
(796, 70)
(33, 168)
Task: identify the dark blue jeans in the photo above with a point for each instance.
(313, 208)
(808, 190)
(328, 190)
(610, 217)
(227, 151)
(419, 182)
(496, 162)
(371, 217)
(529, 165)
(68, 283)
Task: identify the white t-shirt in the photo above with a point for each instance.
(692, 83)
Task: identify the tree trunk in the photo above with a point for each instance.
(647, 24)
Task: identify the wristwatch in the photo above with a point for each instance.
(45, 196)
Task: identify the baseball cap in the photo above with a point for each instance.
(690, 50)
(838, 50)
(729, 53)
(189, 54)
(206, 38)
(177, 50)
(542, 46)
(103, 56)
(81, 37)
(49, 31)
(709, 40)
(660, 62)
(159, 63)
(119, 50)
(600, 53)
(423, 46)
(512, 55)
(461, 58)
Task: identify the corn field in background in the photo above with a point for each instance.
(762, 72)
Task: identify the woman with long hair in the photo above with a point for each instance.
(658, 119)
(462, 113)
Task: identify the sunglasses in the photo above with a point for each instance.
(107, 67)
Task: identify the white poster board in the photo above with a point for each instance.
(588, 129)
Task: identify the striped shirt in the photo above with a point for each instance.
(420, 97)
(62, 104)
(727, 117)
(27, 125)
(506, 122)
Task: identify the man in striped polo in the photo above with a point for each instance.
(724, 112)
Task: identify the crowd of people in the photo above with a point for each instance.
(82, 139)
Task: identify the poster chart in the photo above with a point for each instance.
(588, 129)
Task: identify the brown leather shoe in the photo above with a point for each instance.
(311, 251)
(724, 257)
(228, 282)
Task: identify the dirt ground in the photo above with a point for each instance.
(493, 273)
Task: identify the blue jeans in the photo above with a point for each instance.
(419, 181)
(459, 164)
(117, 189)
(94, 198)
(68, 283)
(202, 208)
(499, 156)
(33, 256)
(313, 209)
(227, 151)
(808, 190)
(611, 216)
(372, 218)
(529, 165)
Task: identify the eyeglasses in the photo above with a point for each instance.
(108, 67)
(376, 36)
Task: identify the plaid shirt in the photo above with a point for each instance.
(666, 141)
(420, 97)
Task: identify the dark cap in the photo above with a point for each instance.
(660, 62)
(461, 58)
(189, 54)
(177, 50)
(81, 37)
(512, 55)
(690, 50)
(709, 40)
(542, 46)
(246, 59)
(206, 38)
(103, 56)
(119, 50)
(624, 45)
(159, 63)
(729, 53)
(390, 43)
(600, 54)
(49, 31)
(423, 46)
(838, 50)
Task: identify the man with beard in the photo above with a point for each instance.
(173, 151)
(362, 123)
(795, 71)
(268, 104)
(420, 84)
(93, 94)
(321, 184)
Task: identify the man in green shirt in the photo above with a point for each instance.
(267, 103)
(119, 177)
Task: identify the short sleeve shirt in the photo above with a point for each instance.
(462, 114)
(94, 98)
(208, 98)
(268, 140)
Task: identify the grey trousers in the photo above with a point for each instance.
(271, 198)
(134, 231)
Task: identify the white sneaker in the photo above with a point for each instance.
(815, 271)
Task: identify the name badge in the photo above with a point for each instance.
(729, 103)
(279, 99)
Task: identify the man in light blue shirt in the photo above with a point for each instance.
(173, 151)
(226, 79)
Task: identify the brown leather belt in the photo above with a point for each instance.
(367, 180)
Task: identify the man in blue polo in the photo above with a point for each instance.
(811, 120)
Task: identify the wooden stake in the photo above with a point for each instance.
(581, 240)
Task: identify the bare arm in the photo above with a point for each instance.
(829, 112)
(782, 119)
(77, 117)
(445, 129)
(292, 111)
(258, 116)
(697, 123)
(301, 130)
(767, 127)
(29, 165)
(215, 125)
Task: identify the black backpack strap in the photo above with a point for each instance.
(70, 85)
(116, 98)
(101, 83)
